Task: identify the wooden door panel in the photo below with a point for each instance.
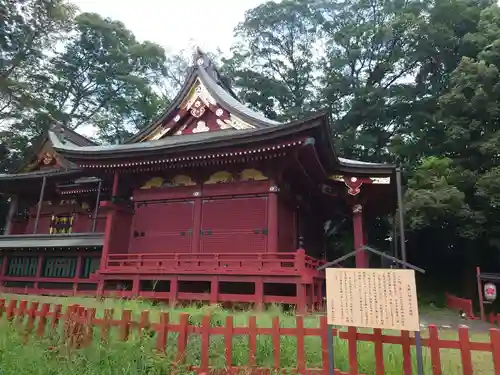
(234, 214)
(163, 227)
(236, 225)
(233, 242)
(164, 217)
(169, 243)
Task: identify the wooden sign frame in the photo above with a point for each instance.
(372, 298)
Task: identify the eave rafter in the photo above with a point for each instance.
(199, 159)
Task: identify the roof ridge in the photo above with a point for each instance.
(204, 69)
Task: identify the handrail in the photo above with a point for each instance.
(297, 261)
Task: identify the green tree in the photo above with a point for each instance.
(454, 196)
(274, 59)
(29, 30)
(100, 78)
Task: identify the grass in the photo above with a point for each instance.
(137, 356)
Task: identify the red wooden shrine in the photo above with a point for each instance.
(211, 202)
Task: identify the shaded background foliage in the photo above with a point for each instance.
(411, 82)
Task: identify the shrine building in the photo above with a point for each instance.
(210, 202)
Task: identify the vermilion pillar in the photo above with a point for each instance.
(272, 220)
(195, 240)
(10, 215)
(110, 218)
(359, 236)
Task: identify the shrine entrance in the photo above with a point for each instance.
(234, 225)
(162, 227)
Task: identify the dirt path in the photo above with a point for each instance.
(447, 319)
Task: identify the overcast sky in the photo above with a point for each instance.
(176, 24)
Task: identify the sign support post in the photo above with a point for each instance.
(331, 351)
(420, 357)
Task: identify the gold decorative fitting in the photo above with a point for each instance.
(196, 194)
(219, 112)
(381, 180)
(159, 133)
(273, 189)
(181, 129)
(252, 175)
(357, 208)
(198, 92)
(154, 182)
(182, 180)
(220, 177)
(198, 110)
(337, 178)
(223, 125)
(201, 127)
(177, 118)
(47, 158)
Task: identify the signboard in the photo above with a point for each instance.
(372, 298)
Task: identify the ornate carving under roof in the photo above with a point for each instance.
(204, 104)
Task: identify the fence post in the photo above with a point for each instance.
(182, 338)
(22, 310)
(162, 331)
(2, 307)
(228, 343)
(106, 323)
(325, 331)
(434, 349)
(465, 352)
(495, 348)
(42, 321)
(252, 340)
(406, 350)
(301, 361)
(275, 337)
(379, 351)
(205, 343)
(30, 324)
(125, 325)
(56, 316)
(143, 322)
(11, 309)
(353, 349)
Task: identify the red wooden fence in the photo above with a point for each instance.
(455, 303)
(42, 318)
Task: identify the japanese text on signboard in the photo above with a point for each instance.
(372, 298)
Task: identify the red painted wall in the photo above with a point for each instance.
(43, 224)
(83, 223)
